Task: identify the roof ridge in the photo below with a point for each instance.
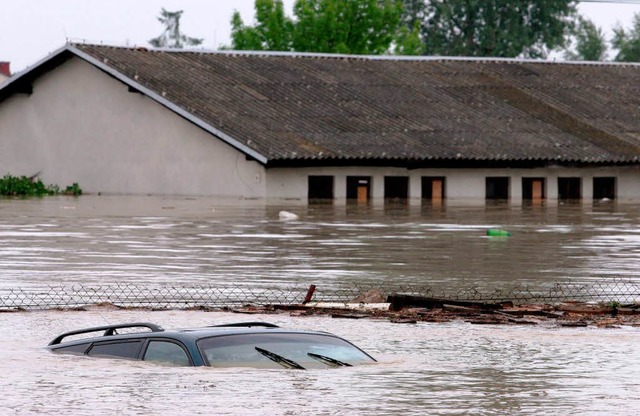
(421, 58)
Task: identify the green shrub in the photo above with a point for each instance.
(73, 190)
(23, 186)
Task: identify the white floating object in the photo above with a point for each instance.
(286, 215)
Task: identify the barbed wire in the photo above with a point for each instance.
(210, 296)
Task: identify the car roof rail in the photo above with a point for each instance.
(246, 325)
(108, 330)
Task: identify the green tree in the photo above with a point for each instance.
(590, 42)
(346, 26)
(627, 42)
(498, 28)
(409, 42)
(273, 31)
(171, 37)
(333, 26)
(414, 12)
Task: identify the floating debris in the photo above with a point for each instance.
(496, 232)
(287, 216)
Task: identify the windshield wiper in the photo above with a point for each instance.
(328, 360)
(285, 362)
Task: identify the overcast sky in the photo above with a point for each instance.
(31, 29)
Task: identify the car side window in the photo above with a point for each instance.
(127, 349)
(166, 352)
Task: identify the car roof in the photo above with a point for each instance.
(109, 332)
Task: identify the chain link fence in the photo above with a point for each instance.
(207, 296)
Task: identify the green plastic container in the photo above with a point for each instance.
(496, 232)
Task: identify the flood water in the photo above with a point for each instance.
(166, 240)
(425, 368)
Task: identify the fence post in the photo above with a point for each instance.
(310, 292)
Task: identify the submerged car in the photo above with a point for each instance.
(246, 344)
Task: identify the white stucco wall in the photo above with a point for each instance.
(81, 125)
(461, 185)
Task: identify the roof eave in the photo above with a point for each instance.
(32, 70)
(447, 162)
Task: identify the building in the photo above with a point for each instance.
(5, 70)
(283, 126)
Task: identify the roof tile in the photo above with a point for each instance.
(305, 106)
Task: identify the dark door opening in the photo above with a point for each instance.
(569, 188)
(320, 188)
(396, 188)
(497, 187)
(433, 188)
(604, 187)
(359, 188)
(533, 189)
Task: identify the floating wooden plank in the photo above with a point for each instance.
(576, 324)
(349, 315)
(403, 321)
(349, 306)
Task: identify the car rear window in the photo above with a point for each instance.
(239, 350)
(73, 349)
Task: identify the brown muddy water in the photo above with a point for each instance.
(425, 368)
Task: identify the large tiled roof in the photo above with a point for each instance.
(292, 107)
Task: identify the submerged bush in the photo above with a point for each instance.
(73, 189)
(23, 186)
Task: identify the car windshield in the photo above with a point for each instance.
(281, 350)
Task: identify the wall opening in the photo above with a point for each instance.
(433, 188)
(396, 189)
(497, 187)
(533, 189)
(359, 188)
(569, 188)
(604, 188)
(320, 188)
